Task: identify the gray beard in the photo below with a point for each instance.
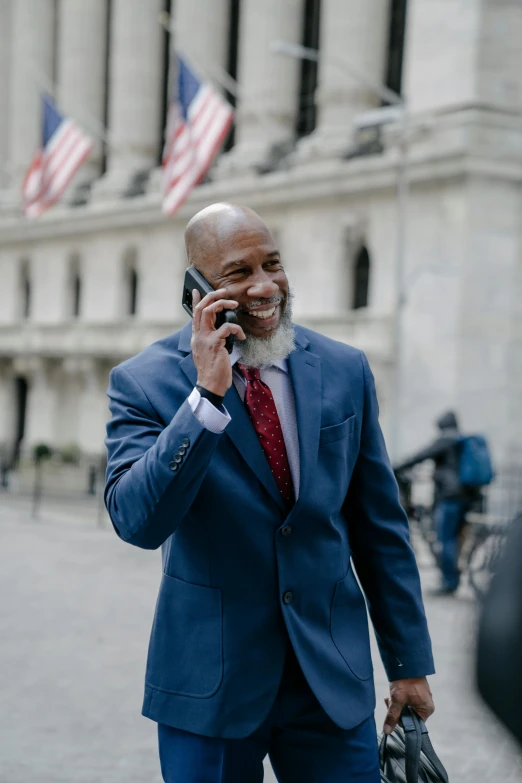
(263, 352)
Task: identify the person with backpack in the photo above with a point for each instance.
(462, 469)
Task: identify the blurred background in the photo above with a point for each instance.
(381, 140)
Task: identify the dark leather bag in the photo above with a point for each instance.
(407, 755)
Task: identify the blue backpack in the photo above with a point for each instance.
(475, 466)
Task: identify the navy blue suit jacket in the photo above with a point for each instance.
(220, 630)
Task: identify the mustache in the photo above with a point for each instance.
(274, 300)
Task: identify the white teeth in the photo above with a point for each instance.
(264, 313)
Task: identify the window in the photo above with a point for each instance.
(361, 279)
(165, 79)
(107, 82)
(306, 108)
(133, 292)
(233, 48)
(25, 290)
(396, 42)
(75, 287)
(20, 391)
(131, 283)
(77, 293)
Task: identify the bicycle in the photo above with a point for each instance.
(484, 553)
(481, 538)
(419, 515)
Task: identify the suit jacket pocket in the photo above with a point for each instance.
(349, 626)
(337, 431)
(185, 651)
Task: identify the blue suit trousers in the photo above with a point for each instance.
(303, 743)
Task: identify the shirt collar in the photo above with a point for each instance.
(281, 364)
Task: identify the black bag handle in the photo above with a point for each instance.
(429, 752)
(417, 740)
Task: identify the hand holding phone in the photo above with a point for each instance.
(194, 281)
(208, 342)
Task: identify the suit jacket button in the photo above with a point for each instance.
(178, 458)
(288, 597)
(286, 530)
(173, 465)
(182, 450)
(185, 443)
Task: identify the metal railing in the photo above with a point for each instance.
(67, 482)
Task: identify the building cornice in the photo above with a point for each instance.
(453, 145)
(119, 340)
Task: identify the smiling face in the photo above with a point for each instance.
(234, 250)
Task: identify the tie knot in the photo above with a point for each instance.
(250, 373)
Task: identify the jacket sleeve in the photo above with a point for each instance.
(434, 450)
(153, 472)
(381, 552)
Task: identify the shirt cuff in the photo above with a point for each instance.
(207, 414)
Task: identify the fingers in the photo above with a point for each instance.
(424, 710)
(413, 692)
(208, 314)
(199, 304)
(392, 716)
(227, 329)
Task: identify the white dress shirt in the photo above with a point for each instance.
(278, 380)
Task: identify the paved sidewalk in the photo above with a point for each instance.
(76, 606)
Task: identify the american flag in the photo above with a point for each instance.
(198, 122)
(64, 148)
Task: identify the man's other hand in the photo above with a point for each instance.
(413, 692)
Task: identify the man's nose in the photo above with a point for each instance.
(263, 287)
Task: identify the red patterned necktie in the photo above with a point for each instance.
(263, 414)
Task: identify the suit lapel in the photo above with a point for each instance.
(241, 432)
(305, 372)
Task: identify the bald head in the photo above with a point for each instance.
(234, 251)
(214, 227)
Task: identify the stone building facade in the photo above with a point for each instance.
(99, 277)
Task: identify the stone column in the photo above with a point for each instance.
(81, 72)
(476, 59)
(5, 66)
(268, 82)
(136, 62)
(93, 411)
(352, 32)
(32, 68)
(201, 33)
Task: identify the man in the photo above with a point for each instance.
(451, 499)
(262, 474)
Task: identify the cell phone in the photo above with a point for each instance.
(195, 280)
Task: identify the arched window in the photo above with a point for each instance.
(75, 287)
(361, 279)
(77, 294)
(133, 291)
(131, 283)
(25, 290)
